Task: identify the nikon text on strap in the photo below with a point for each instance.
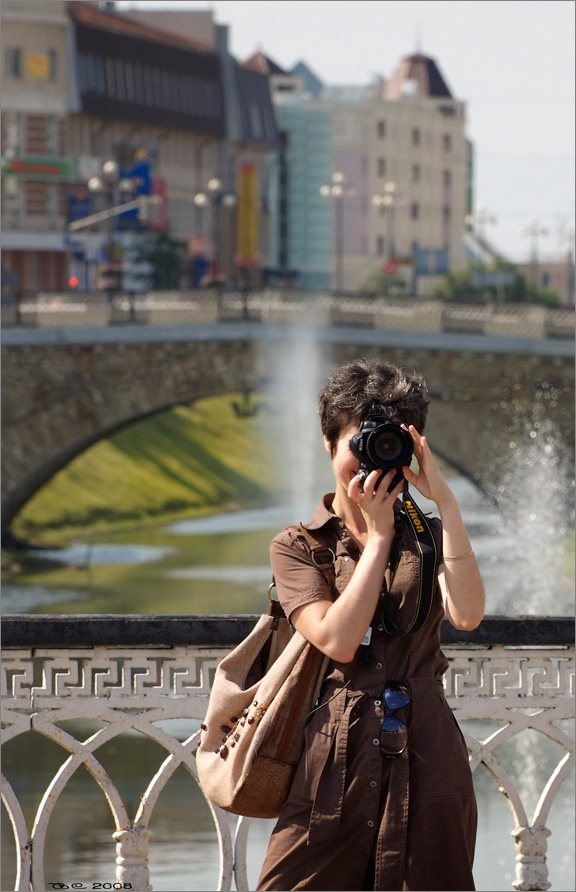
(428, 558)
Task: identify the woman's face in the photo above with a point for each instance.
(344, 463)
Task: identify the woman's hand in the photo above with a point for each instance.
(429, 481)
(374, 500)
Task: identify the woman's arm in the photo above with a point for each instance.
(459, 577)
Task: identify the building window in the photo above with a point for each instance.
(447, 142)
(414, 211)
(416, 136)
(256, 128)
(36, 199)
(52, 63)
(36, 134)
(381, 129)
(380, 246)
(92, 74)
(381, 167)
(13, 64)
(415, 173)
(447, 177)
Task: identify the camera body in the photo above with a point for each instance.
(382, 444)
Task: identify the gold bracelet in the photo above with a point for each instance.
(459, 557)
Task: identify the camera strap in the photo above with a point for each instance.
(428, 561)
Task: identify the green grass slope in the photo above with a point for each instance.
(185, 461)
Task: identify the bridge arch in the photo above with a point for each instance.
(64, 393)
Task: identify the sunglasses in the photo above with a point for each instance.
(393, 734)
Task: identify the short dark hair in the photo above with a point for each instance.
(371, 386)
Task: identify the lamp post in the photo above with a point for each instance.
(478, 223)
(215, 197)
(533, 231)
(116, 189)
(338, 190)
(566, 237)
(385, 203)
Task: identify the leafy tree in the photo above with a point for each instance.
(475, 284)
(162, 259)
(377, 282)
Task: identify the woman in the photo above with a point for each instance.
(368, 810)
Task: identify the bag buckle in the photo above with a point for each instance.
(327, 550)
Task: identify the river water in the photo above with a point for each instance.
(219, 564)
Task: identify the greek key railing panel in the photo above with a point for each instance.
(133, 688)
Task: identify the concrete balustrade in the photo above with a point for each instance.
(131, 671)
(288, 307)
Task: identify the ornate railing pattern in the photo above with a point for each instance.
(131, 672)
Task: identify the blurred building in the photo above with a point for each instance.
(301, 220)
(160, 99)
(552, 275)
(399, 172)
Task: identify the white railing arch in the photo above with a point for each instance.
(519, 673)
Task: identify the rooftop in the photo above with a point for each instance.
(417, 75)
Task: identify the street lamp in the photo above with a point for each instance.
(478, 223)
(566, 237)
(216, 198)
(117, 189)
(533, 231)
(338, 190)
(386, 202)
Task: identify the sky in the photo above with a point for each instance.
(511, 62)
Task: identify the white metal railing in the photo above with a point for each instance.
(134, 687)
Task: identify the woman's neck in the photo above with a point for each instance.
(351, 516)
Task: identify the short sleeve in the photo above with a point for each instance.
(298, 579)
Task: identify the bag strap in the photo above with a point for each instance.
(428, 566)
(322, 555)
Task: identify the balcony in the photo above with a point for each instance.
(139, 673)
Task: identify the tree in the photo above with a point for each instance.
(377, 282)
(162, 258)
(500, 282)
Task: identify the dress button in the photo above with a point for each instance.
(378, 665)
(380, 628)
(373, 783)
(376, 741)
(377, 702)
(370, 823)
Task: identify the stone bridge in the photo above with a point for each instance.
(66, 388)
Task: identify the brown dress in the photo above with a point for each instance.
(356, 819)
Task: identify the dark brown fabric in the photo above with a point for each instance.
(415, 815)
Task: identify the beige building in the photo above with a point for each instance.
(402, 147)
(159, 96)
(400, 169)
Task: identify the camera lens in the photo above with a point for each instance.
(388, 447)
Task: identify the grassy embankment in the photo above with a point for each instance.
(185, 461)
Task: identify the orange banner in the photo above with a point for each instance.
(247, 239)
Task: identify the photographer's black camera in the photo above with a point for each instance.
(384, 444)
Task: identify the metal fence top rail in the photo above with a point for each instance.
(222, 630)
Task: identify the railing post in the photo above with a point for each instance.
(531, 867)
(132, 858)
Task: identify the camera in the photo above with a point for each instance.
(384, 444)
